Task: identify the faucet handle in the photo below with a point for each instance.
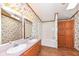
(10, 42)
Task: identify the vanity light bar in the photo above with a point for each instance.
(15, 17)
(10, 11)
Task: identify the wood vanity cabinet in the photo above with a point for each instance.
(33, 51)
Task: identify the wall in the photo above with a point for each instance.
(36, 29)
(49, 33)
(11, 29)
(0, 25)
(76, 40)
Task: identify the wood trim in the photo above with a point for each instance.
(3, 12)
(75, 14)
(33, 11)
(69, 19)
(28, 21)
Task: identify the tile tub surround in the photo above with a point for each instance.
(5, 47)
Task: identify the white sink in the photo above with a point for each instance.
(16, 49)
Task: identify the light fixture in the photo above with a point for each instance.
(15, 17)
(71, 5)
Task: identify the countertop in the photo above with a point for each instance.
(29, 45)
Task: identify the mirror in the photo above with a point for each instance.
(11, 27)
(27, 29)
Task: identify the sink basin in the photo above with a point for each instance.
(16, 49)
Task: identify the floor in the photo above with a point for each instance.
(47, 51)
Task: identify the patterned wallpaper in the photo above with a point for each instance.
(77, 31)
(11, 29)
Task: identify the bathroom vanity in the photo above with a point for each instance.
(33, 51)
(25, 47)
(17, 36)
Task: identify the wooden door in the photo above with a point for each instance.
(66, 34)
(69, 34)
(61, 37)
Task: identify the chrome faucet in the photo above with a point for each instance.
(10, 42)
(13, 43)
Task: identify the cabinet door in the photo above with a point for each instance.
(33, 51)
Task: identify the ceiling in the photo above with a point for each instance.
(46, 11)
